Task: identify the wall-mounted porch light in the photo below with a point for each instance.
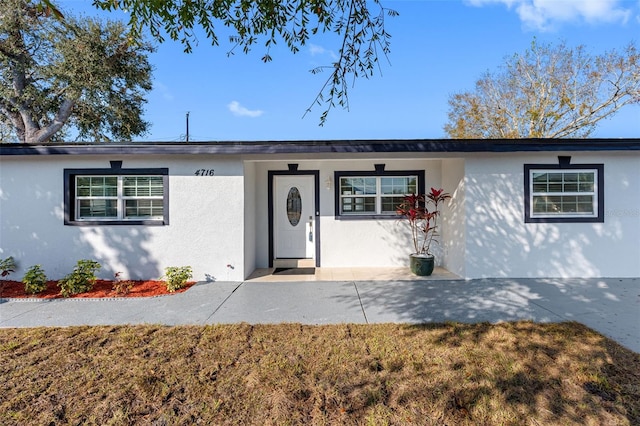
(328, 183)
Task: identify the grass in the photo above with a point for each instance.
(455, 374)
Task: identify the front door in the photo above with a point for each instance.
(294, 217)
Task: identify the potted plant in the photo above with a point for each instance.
(421, 212)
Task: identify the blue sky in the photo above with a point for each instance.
(439, 47)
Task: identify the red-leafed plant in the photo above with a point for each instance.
(421, 213)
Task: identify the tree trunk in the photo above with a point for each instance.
(34, 134)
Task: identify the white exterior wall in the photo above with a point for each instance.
(219, 224)
(453, 218)
(261, 244)
(500, 244)
(482, 227)
(206, 220)
(346, 243)
(250, 214)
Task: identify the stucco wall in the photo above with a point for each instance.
(250, 213)
(219, 224)
(205, 231)
(500, 244)
(453, 218)
(347, 243)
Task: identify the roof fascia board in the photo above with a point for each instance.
(320, 147)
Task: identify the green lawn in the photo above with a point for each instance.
(455, 374)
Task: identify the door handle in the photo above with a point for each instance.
(310, 228)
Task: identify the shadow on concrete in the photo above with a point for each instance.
(610, 306)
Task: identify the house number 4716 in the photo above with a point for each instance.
(205, 172)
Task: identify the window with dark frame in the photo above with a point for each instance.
(116, 196)
(376, 194)
(564, 193)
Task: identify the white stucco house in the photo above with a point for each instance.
(519, 208)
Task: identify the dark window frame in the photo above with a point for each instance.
(379, 172)
(564, 166)
(70, 195)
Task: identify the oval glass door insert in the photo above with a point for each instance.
(294, 206)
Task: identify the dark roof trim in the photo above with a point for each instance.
(322, 147)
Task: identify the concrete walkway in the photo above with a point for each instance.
(610, 306)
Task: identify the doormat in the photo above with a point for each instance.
(294, 271)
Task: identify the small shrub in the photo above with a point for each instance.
(177, 277)
(7, 266)
(122, 286)
(35, 280)
(81, 279)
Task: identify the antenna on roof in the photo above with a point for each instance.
(187, 138)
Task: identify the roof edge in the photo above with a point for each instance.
(326, 146)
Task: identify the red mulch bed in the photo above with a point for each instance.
(102, 288)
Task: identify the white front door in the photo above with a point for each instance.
(294, 217)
